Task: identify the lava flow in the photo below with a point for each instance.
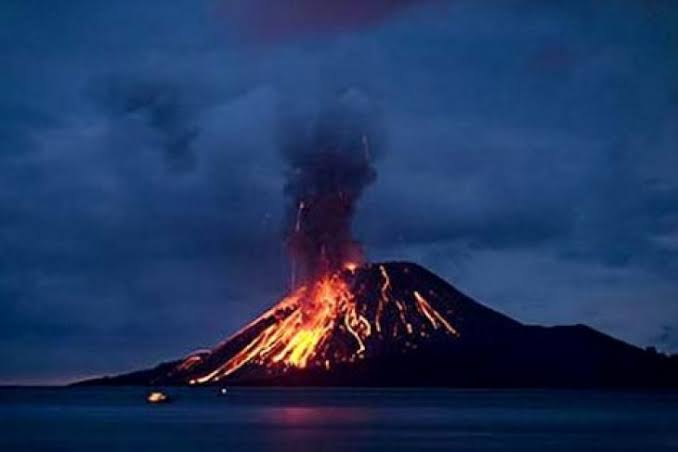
(338, 319)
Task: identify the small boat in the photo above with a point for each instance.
(157, 397)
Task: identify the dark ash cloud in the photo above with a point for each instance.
(330, 162)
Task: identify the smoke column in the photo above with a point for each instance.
(329, 163)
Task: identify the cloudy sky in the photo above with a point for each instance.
(530, 157)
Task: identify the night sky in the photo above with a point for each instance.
(530, 157)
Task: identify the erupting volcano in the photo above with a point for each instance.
(349, 322)
(333, 315)
(333, 321)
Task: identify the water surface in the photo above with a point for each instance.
(119, 419)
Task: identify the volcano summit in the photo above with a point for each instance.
(397, 324)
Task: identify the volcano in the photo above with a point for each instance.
(397, 324)
(347, 322)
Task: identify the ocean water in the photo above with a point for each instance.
(119, 419)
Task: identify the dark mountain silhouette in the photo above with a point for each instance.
(418, 330)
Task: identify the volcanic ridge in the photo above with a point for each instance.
(397, 324)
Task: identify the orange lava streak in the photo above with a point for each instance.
(190, 362)
(432, 314)
(293, 340)
(361, 344)
(403, 319)
(320, 325)
(384, 298)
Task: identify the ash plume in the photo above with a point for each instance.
(329, 161)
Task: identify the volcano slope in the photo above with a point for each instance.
(397, 324)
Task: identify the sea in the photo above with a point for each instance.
(310, 419)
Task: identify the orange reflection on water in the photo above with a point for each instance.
(310, 415)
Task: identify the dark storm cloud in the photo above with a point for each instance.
(531, 160)
(162, 106)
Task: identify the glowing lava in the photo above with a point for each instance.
(321, 324)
